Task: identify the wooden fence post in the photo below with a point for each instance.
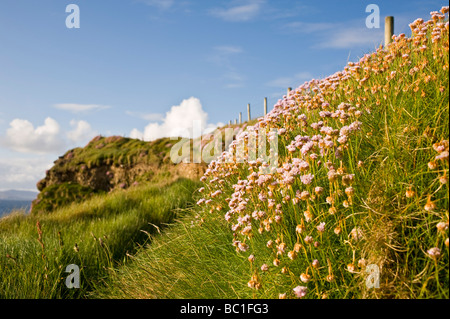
(240, 117)
(388, 30)
(289, 90)
(265, 106)
(248, 112)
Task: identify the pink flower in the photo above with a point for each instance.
(321, 227)
(300, 291)
(307, 179)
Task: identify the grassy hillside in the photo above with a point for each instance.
(95, 235)
(361, 182)
(105, 164)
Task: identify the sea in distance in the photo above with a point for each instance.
(7, 206)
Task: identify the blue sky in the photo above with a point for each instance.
(140, 67)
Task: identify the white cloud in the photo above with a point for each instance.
(239, 13)
(228, 49)
(23, 173)
(78, 108)
(82, 132)
(309, 27)
(351, 34)
(146, 116)
(291, 81)
(23, 137)
(350, 37)
(186, 120)
(160, 4)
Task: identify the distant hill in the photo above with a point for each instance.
(17, 195)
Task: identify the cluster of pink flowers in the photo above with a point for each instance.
(317, 168)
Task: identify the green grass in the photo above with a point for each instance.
(390, 220)
(104, 229)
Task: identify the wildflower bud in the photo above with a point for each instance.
(316, 244)
(410, 193)
(330, 278)
(362, 263)
(429, 206)
(434, 253)
(442, 227)
(292, 254)
(332, 210)
(284, 270)
(349, 191)
(432, 165)
(276, 262)
(278, 219)
(269, 244)
(308, 215)
(243, 247)
(299, 229)
(305, 277)
(264, 267)
(304, 195)
(318, 190)
(351, 268)
(321, 227)
(443, 179)
(308, 239)
(315, 263)
(297, 247)
(282, 296)
(337, 230)
(446, 242)
(251, 258)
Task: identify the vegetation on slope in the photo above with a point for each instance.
(104, 164)
(361, 183)
(95, 235)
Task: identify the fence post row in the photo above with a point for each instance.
(388, 30)
(265, 106)
(388, 33)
